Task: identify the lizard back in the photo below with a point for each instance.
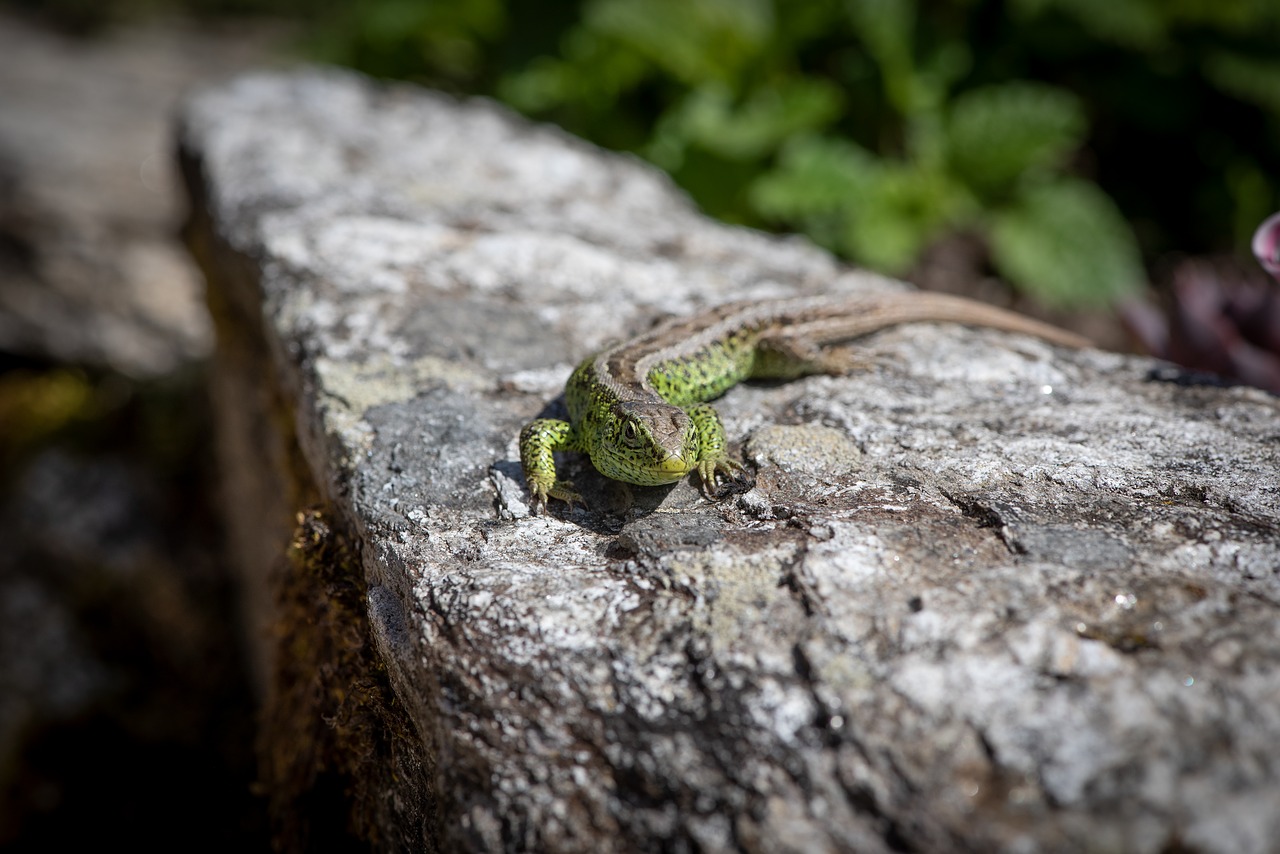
(688, 360)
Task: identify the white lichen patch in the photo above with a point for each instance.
(353, 388)
(736, 592)
(809, 449)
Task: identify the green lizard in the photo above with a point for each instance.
(639, 410)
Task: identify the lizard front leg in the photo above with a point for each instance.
(712, 459)
(538, 440)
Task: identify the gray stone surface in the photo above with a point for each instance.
(987, 594)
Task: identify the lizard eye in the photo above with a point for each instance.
(631, 435)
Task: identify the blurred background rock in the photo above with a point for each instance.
(124, 709)
(1100, 162)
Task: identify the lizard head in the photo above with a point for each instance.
(646, 444)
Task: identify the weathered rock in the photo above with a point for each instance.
(1011, 597)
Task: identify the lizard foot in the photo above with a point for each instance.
(724, 477)
(561, 490)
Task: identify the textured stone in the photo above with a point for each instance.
(1016, 598)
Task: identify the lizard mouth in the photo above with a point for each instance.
(673, 467)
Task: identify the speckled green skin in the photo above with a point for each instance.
(656, 432)
(638, 409)
(618, 435)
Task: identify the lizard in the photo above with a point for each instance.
(639, 409)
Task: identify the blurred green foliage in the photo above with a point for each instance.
(1076, 139)
(881, 126)
(1047, 128)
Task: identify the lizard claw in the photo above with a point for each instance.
(561, 490)
(736, 480)
(538, 492)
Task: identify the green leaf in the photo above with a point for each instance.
(1067, 244)
(1133, 23)
(888, 240)
(814, 175)
(878, 212)
(593, 74)
(695, 41)
(898, 214)
(709, 118)
(1247, 78)
(544, 84)
(886, 28)
(996, 134)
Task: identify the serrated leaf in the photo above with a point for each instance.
(709, 118)
(551, 82)
(878, 212)
(814, 175)
(888, 241)
(998, 133)
(1066, 243)
(544, 84)
(897, 215)
(695, 41)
